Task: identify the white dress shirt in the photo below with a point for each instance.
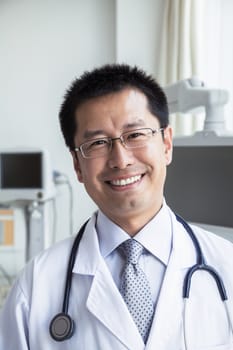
(156, 238)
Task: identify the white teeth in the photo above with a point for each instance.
(128, 181)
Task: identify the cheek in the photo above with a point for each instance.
(89, 171)
(83, 174)
(154, 155)
(157, 160)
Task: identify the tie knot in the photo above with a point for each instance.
(132, 250)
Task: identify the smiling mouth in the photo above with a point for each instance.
(124, 182)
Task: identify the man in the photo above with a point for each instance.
(115, 122)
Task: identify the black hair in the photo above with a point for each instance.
(105, 80)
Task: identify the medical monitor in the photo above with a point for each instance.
(25, 175)
(199, 183)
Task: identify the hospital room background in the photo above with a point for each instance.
(44, 46)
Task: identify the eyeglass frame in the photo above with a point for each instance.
(111, 139)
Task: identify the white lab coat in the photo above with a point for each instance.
(101, 316)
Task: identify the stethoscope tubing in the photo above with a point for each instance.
(70, 266)
(62, 326)
(200, 265)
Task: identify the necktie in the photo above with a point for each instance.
(135, 288)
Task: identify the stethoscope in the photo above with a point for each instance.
(62, 325)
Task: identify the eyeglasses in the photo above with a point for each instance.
(102, 146)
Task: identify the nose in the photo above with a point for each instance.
(120, 157)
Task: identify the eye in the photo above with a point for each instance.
(96, 144)
(136, 135)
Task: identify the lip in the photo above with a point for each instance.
(125, 182)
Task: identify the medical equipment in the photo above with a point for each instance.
(202, 166)
(7, 224)
(26, 182)
(25, 175)
(12, 248)
(28, 209)
(5, 285)
(191, 94)
(62, 326)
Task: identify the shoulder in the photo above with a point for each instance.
(214, 246)
(218, 253)
(217, 250)
(52, 254)
(45, 268)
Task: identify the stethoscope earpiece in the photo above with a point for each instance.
(61, 327)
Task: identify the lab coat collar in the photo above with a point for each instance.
(183, 249)
(88, 256)
(104, 300)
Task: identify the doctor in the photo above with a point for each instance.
(115, 122)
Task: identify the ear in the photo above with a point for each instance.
(168, 144)
(77, 166)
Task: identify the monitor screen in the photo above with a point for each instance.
(199, 184)
(20, 170)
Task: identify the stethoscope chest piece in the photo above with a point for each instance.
(61, 327)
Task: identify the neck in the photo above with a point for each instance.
(133, 224)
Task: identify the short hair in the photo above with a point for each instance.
(108, 79)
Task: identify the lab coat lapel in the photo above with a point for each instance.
(167, 325)
(106, 303)
(104, 300)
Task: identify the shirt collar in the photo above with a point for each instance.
(156, 236)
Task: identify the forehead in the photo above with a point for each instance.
(118, 110)
(127, 98)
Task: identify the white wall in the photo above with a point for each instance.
(217, 50)
(138, 33)
(44, 46)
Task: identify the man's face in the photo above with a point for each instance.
(145, 168)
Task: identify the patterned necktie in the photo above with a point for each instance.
(135, 288)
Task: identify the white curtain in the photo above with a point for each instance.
(180, 52)
(217, 51)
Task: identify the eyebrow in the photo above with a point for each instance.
(134, 124)
(89, 134)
